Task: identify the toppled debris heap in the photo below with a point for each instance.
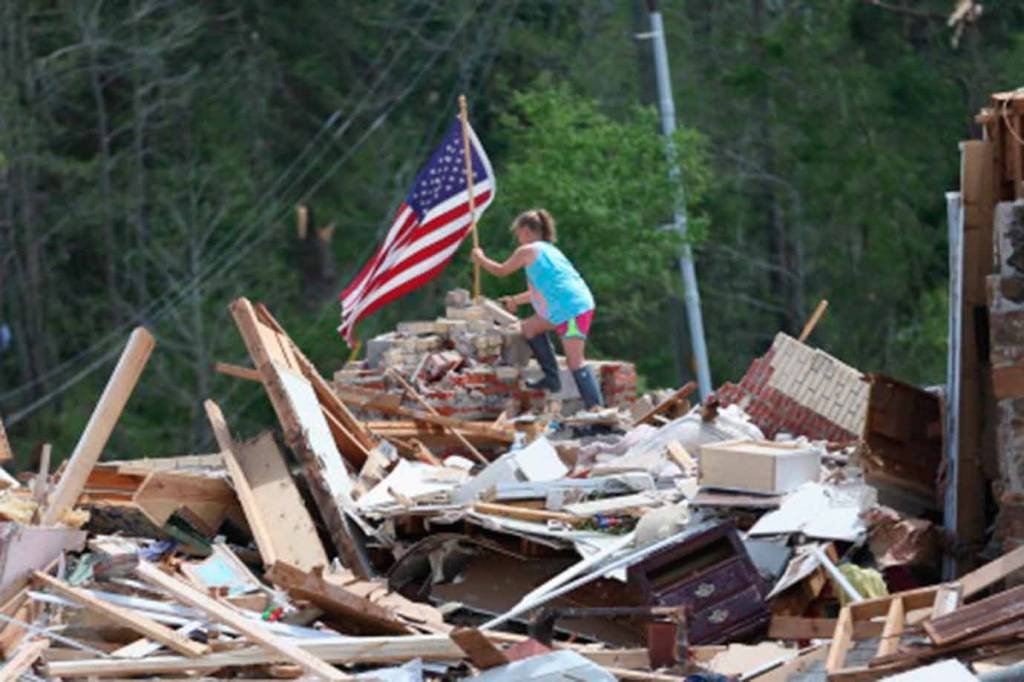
(648, 541)
(470, 364)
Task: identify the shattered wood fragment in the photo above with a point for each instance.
(250, 629)
(667, 404)
(479, 649)
(976, 618)
(298, 407)
(6, 454)
(527, 514)
(347, 650)
(335, 600)
(992, 572)
(799, 628)
(23, 659)
(429, 408)
(280, 523)
(247, 373)
(122, 616)
(101, 424)
(205, 501)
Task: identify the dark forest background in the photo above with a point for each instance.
(152, 154)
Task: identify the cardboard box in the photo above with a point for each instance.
(758, 466)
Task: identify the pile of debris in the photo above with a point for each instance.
(646, 541)
(472, 362)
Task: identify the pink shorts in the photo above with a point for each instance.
(577, 327)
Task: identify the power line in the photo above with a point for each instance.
(229, 257)
(155, 309)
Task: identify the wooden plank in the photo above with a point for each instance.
(666, 404)
(278, 517)
(41, 482)
(250, 629)
(238, 371)
(527, 514)
(430, 408)
(841, 640)
(790, 669)
(992, 572)
(207, 500)
(813, 320)
(101, 424)
(894, 622)
(122, 616)
(795, 628)
(976, 618)
(6, 453)
(328, 399)
(481, 651)
(348, 650)
(299, 409)
(23, 659)
(368, 617)
(145, 646)
(466, 427)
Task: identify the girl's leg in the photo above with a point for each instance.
(534, 325)
(535, 329)
(574, 352)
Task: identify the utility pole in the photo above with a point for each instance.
(667, 107)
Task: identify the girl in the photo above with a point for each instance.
(561, 300)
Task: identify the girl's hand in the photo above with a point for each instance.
(477, 255)
(509, 302)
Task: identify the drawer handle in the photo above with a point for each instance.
(719, 616)
(705, 590)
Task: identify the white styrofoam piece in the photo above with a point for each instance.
(817, 511)
(539, 461)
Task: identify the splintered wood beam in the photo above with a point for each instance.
(813, 320)
(237, 371)
(430, 408)
(680, 395)
(6, 453)
(126, 617)
(101, 424)
(23, 659)
(479, 649)
(336, 600)
(250, 629)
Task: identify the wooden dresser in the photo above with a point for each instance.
(711, 574)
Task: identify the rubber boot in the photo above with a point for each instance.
(545, 354)
(590, 391)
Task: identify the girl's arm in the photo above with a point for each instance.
(513, 302)
(519, 259)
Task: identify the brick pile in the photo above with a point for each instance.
(471, 364)
(800, 390)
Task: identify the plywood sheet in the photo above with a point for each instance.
(279, 503)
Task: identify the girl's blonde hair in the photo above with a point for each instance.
(538, 221)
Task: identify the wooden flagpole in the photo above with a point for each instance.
(468, 155)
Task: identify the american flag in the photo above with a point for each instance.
(427, 229)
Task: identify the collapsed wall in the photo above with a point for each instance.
(472, 364)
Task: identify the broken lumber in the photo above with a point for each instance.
(122, 616)
(250, 629)
(667, 404)
(101, 424)
(976, 618)
(479, 649)
(6, 454)
(348, 650)
(23, 659)
(299, 409)
(277, 516)
(430, 408)
(466, 427)
(237, 371)
(335, 600)
(992, 572)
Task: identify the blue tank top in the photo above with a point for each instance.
(557, 290)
